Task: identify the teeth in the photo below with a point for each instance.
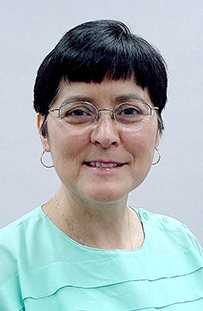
(99, 164)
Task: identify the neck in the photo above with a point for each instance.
(97, 225)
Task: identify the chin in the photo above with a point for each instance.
(105, 196)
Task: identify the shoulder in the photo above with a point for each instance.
(14, 240)
(161, 221)
(15, 237)
(168, 230)
(13, 230)
(13, 248)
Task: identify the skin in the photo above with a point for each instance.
(94, 200)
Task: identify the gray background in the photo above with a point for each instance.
(30, 29)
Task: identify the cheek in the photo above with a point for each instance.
(141, 149)
(66, 153)
(141, 144)
(66, 147)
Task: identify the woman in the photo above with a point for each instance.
(99, 96)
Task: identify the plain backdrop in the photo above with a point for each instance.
(30, 29)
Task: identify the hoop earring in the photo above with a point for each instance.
(159, 156)
(41, 160)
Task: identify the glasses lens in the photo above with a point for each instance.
(132, 113)
(78, 113)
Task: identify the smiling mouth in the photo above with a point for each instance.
(103, 165)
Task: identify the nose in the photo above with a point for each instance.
(105, 132)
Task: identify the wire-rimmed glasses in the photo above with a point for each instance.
(81, 114)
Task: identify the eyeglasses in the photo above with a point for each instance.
(81, 114)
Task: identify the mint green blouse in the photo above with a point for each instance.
(43, 269)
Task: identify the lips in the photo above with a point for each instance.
(103, 164)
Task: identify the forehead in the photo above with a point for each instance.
(108, 91)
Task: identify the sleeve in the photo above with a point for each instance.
(195, 243)
(187, 238)
(10, 293)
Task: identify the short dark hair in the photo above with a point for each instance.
(98, 50)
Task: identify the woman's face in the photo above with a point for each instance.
(104, 161)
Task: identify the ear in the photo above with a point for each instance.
(44, 139)
(157, 139)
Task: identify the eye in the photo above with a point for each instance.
(77, 112)
(127, 110)
(129, 113)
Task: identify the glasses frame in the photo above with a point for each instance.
(97, 116)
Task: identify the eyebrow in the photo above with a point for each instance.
(88, 99)
(130, 96)
(77, 98)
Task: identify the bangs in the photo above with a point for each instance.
(91, 59)
(99, 50)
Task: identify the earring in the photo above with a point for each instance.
(159, 156)
(41, 160)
